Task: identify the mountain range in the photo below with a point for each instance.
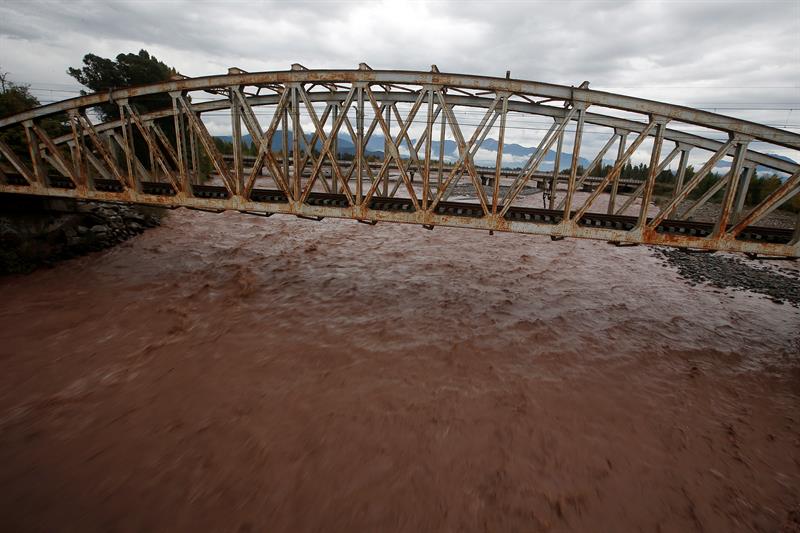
(375, 147)
(486, 156)
(725, 165)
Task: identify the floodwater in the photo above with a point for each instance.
(236, 373)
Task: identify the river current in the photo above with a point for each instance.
(236, 373)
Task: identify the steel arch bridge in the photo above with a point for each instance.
(299, 173)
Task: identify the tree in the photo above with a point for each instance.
(761, 187)
(705, 184)
(14, 99)
(102, 74)
(3, 80)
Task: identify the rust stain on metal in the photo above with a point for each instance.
(344, 91)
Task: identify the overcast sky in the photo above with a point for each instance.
(740, 58)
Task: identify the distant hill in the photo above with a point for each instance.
(517, 153)
(346, 145)
(724, 165)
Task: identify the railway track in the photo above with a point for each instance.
(463, 209)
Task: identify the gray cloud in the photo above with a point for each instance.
(740, 54)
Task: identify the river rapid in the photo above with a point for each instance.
(226, 372)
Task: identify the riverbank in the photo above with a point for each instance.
(36, 232)
(777, 279)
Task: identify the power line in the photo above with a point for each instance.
(790, 106)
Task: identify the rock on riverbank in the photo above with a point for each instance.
(34, 235)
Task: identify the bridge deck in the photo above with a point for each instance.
(468, 214)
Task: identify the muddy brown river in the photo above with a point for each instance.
(236, 373)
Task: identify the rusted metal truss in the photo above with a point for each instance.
(297, 119)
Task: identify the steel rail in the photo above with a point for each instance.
(590, 226)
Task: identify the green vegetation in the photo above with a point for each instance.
(760, 186)
(103, 74)
(16, 98)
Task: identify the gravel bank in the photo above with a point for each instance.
(781, 283)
